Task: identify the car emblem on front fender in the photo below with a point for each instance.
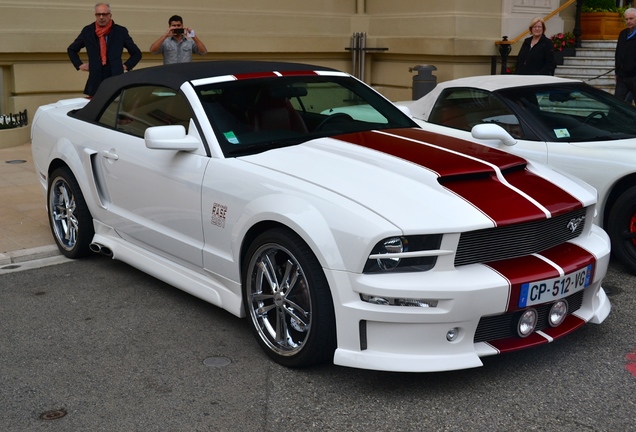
(573, 223)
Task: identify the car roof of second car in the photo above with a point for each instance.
(491, 83)
(174, 75)
(498, 82)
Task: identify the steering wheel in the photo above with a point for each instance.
(333, 117)
(593, 114)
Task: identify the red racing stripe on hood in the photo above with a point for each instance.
(552, 197)
(488, 154)
(469, 170)
(438, 159)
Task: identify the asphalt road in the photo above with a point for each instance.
(95, 345)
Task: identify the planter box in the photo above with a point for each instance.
(15, 137)
(601, 25)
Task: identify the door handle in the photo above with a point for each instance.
(109, 154)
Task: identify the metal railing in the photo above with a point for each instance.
(10, 121)
(359, 49)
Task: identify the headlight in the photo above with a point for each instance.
(393, 245)
(412, 253)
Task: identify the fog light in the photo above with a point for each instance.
(527, 323)
(452, 334)
(558, 312)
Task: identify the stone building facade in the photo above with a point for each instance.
(456, 36)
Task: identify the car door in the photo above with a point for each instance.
(152, 196)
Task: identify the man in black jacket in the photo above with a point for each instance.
(104, 42)
(625, 58)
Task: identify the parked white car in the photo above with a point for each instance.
(372, 244)
(564, 123)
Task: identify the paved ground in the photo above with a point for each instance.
(95, 345)
(24, 229)
(113, 349)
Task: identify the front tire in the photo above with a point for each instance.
(288, 301)
(70, 220)
(621, 228)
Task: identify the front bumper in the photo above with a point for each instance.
(414, 339)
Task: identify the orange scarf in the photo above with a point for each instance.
(101, 33)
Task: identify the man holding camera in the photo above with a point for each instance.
(178, 43)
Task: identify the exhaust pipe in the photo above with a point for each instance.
(101, 249)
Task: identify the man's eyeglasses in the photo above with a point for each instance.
(102, 14)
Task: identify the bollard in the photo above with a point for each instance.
(424, 81)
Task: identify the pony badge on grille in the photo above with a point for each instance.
(573, 224)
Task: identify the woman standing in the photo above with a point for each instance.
(536, 56)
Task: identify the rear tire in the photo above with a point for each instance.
(621, 228)
(71, 222)
(288, 301)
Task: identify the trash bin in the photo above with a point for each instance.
(424, 81)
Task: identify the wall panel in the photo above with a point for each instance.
(457, 36)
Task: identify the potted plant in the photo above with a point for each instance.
(564, 46)
(601, 20)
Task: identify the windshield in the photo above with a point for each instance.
(573, 112)
(254, 115)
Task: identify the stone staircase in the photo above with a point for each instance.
(593, 59)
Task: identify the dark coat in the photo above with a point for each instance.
(538, 60)
(117, 40)
(625, 55)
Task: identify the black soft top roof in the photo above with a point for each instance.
(174, 75)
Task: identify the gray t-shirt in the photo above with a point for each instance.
(178, 52)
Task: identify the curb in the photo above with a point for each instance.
(23, 255)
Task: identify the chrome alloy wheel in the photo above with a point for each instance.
(71, 221)
(279, 298)
(63, 220)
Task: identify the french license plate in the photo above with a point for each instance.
(547, 290)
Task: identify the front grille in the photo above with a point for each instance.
(504, 326)
(494, 244)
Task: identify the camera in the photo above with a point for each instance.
(178, 31)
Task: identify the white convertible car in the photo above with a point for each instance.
(563, 123)
(372, 244)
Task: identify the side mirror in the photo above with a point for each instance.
(170, 138)
(489, 131)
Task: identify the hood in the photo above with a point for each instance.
(417, 179)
